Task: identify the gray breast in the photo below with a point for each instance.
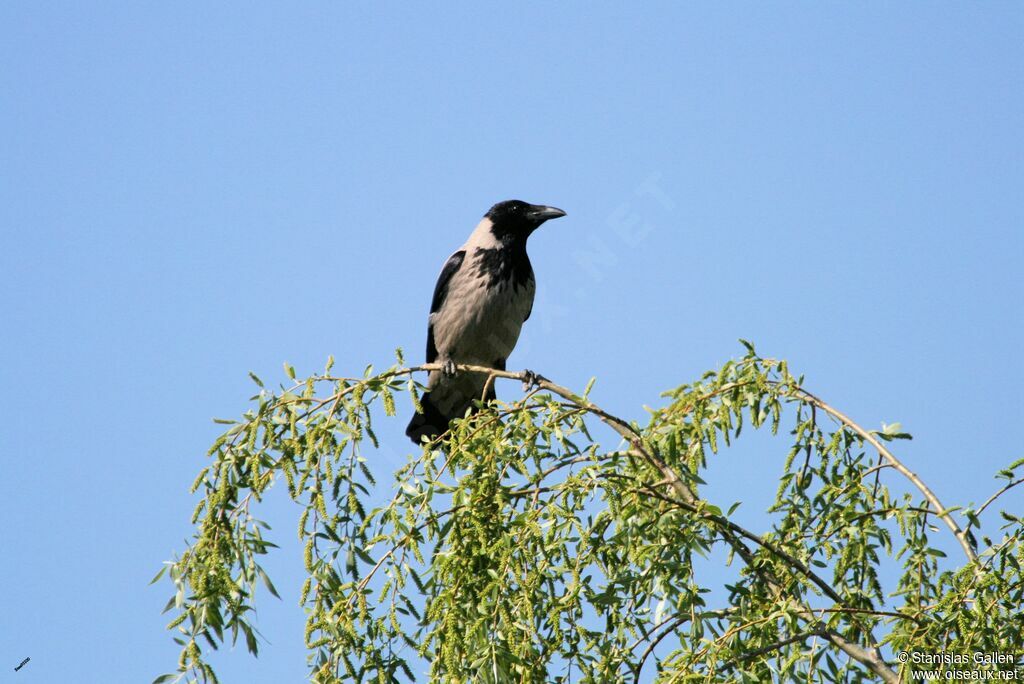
(482, 315)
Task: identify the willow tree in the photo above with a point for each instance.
(521, 549)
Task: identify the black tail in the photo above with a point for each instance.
(430, 423)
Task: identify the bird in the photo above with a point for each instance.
(483, 296)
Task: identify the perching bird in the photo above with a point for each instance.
(483, 296)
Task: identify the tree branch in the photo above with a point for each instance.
(675, 623)
(940, 510)
(750, 655)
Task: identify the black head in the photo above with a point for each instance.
(517, 219)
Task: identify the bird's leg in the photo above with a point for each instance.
(448, 368)
(530, 380)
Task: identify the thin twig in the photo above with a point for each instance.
(750, 655)
(998, 494)
(676, 622)
(940, 510)
(722, 521)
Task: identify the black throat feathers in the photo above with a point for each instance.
(507, 263)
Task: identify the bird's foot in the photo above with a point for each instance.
(530, 380)
(448, 369)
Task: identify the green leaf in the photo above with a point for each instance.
(163, 679)
(267, 583)
(893, 431)
(250, 638)
(160, 574)
(363, 556)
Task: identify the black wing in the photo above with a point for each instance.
(451, 267)
(529, 277)
(431, 347)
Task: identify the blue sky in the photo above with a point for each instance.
(192, 191)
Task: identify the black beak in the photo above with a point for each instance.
(540, 214)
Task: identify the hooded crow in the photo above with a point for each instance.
(482, 297)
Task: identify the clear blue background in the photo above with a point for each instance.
(190, 192)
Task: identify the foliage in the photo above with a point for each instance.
(522, 550)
